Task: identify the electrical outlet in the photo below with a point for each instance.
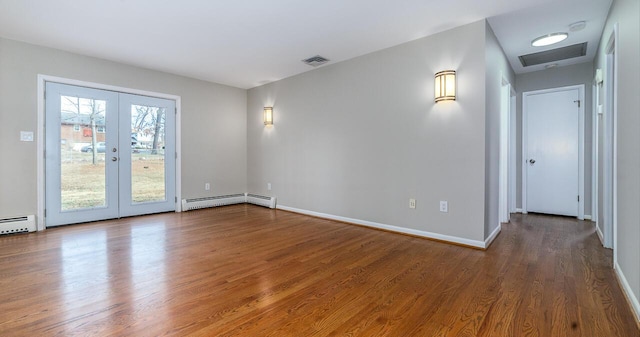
(412, 203)
(268, 186)
(444, 206)
(207, 186)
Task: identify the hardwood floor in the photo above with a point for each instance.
(249, 271)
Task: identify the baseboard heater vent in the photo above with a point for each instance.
(261, 200)
(18, 225)
(231, 199)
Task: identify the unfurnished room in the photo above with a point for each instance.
(337, 168)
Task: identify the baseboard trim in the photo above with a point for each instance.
(626, 289)
(390, 228)
(587, 217)
(518, 210)
(600, 235)
(492, 236)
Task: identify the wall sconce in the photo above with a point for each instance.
(446, 85)
(268, 115)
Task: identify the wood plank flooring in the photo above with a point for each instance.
(249, 271)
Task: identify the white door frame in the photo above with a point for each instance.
(610, 148)
(40, 132)
(595, 139)
(503, 189)
(512, 151)
(580, 144)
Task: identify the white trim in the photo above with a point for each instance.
(581, 152)
(615, 149)
(595, 122)
(513, 163)
(519, 210)
(178, 153)
(525, 151)
(600, 235)
(503, 158)
(492, 236)
(40, 171)
(40, 163)
(587, 217)
(430, 235)
(610, 144)
(624, 284)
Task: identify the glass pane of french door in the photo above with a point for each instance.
(81, 180)
(148, 172)
(147, 153)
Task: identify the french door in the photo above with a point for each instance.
(108, 154)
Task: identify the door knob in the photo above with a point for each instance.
(114, 158)
(532, 161)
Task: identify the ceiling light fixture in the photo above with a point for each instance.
(549, 39)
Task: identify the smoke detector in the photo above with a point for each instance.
(577, 26)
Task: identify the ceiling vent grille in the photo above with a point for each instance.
(554, 55)
(316, 61)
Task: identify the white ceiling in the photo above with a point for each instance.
(246, 43)
(516, 30)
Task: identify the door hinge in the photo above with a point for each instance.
(578, 198)
(577, 101)
(45, 212)
(176, 155)
(175, 111)
(176, 199)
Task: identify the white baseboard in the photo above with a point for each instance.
(633, 300)
(587, 217)
(600, 235)
(492, 236)
(429, 235)
(518, 210)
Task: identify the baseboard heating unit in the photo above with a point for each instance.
(18, 225)
(231, 199)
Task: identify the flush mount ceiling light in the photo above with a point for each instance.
(549, 39)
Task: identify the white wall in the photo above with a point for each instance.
(213, 121)
(497, 68)
(554, 78)
(357, 139)
(626, 13)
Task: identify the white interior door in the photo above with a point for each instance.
(552, 151)
(108, 154)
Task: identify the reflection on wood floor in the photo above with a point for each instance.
(249, 271)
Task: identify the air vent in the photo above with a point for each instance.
(554, 55)
(316, 61)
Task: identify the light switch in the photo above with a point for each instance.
(26, 136)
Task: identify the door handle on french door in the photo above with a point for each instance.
(532, 161)
(114, 158)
